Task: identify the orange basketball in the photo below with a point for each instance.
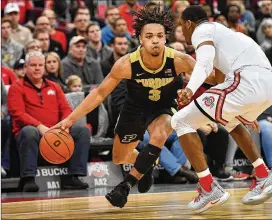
(57, 146)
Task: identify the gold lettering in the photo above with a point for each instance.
(154, 95)
(158, 83)
(155, 83)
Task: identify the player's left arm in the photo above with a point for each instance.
(185, 64)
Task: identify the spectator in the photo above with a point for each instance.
(19, 33)
(33, 115)
(120, 48)
(95, 48)
(8, 76)
(220, 18)
(178, 46)
(233, 15)
(19, 69)
(177, 35)
(266, 26)
(5, 132)
(33, 45)
(209, 11)
(54, 70)
(27, 14)
(120, 28)
(247, 17)
(47, 44)
(11, 51)
(81, 23)
(265, 12)
(125, 12)
(74, 83)
(56, 35)
(173, 159)
(112, 13)
(265, 122)
(76, 63)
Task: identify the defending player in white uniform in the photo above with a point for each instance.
(245, 93)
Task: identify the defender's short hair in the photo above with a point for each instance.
(195, 14)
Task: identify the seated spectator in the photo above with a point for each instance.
(54, 70)
(20, 33)
(74, 83)
(266, 27)
(81, 22)
(8, 76)
(233, 16)
(11, 51)
(209, 12)
(173, 159)
(112, 13)
(33, 45)
(77, 63)
(120, 28)
(5, 132)
(125, 8)
(27, 14)
(47, 44)
(33, 115)
(265, 12)
(95, 48)
(19, 69)
(220, 18)
(56, 35)
(265, 122)
(120, 48)
(178, 46)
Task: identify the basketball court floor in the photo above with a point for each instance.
(162, 202)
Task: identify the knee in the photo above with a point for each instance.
(158, 138)
(265, 126)
(80, 131)
(30, 132)
(120, 157)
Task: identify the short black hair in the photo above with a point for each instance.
(117, 36)
(194, 13)
(156, 16)
(233, 5)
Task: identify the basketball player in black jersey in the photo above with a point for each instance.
(152, 74)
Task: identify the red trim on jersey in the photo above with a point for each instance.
(222, 96)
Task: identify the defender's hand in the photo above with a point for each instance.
(184, 96)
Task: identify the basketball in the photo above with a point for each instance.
(56, 146)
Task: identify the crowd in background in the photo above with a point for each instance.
(80, 41)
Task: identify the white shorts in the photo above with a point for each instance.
(241, 98)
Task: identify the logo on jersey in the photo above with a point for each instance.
(209, 101)
(139, 74)
(168, 72)
(51, 92)
(129, 137)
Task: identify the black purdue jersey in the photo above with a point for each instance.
(153, 87)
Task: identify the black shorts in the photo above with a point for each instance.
(134, 121)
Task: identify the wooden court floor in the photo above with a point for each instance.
(169, 205)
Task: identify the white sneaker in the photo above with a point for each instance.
(207, 200)
(260, 191)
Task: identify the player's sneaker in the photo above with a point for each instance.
(206, 200)
(145, 183)
(260, 191)
(118, 196)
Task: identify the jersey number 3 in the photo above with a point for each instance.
(154, 95)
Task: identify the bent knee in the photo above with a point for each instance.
(30, 132)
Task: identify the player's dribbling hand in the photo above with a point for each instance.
(184, 96)
(64, 125)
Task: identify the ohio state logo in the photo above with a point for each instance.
(98, 169)
(209, 101)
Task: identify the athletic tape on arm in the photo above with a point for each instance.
(204, 66)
